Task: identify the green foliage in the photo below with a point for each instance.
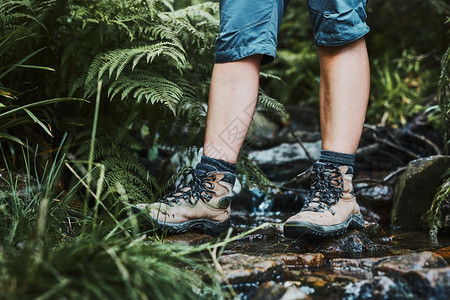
(267, 103)
(444, 95)
(251, 176)
(145, 52)
(125, 177)
(401, 97)
(405, 61)
(13, 111)
(138, 48)
(95, 268)
(145, 56)
(21, 199)
(297, 63)
(45, 255)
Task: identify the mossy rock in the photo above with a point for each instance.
(415, 190)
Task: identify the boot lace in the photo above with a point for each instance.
(327, 188)
(200, 187)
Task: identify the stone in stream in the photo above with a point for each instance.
(421, 284)
(274, 291)
(305, 260)
(378, 195)
(189, 238)
(421, 275)
(405, 263)
(444, 252)
(380, 287)
(285, 161)
(415, 190)
(351, 242)
(243, 268)
(369, 215)
(375, 201)
(263, 132)
(388, 265)
(359, 268)
(374, 230)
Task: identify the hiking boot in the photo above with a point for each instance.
(331, 206)
(203, 204)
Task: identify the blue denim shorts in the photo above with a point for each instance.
(249, 27)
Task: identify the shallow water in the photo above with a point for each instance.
(323, 282)
(271, 240)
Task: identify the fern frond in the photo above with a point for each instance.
(251, 175)
(117, 60)
(149, 87)
(268, 103)
(121, 166)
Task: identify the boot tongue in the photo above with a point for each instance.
(203, 169)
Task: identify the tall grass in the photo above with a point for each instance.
(47, 254)
(53, 250)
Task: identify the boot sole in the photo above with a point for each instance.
(206, 226)
(296, 229)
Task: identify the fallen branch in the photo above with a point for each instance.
(299, 141)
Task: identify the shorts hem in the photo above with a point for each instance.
(336, 42)
(229, 55)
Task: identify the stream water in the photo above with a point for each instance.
(271, 240)
(339, 264)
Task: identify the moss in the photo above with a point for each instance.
(435, 217)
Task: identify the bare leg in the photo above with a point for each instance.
(331, 208)
(232, 100)
(344, 94)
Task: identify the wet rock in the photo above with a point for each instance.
(190, 238)
(360, 268)
(274, 291)
(380, 287)
(415, 190)
(369, 215)
(436, 279)
(242, 268)
(320, 283)
(289, 201)
(285, 161)
(351, 242)
(425, 283)
(375, 201)
(424, 275)
(410, 262)
(240, 218)
(374, 230)
(262, 132)
(444, 252)
(377, 195)
(295, 260)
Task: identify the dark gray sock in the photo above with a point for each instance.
(208, 164)
(337, 158)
